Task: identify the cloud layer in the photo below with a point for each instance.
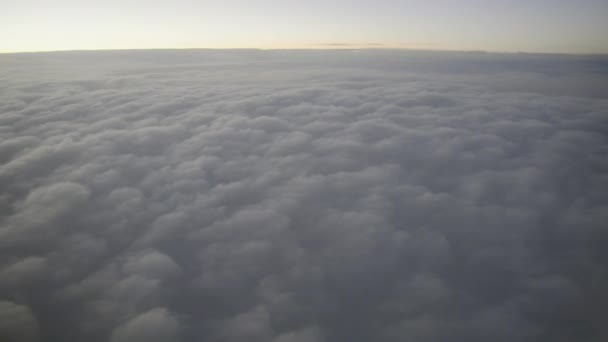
(303, 196)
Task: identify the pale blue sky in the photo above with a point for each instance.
(494, 25)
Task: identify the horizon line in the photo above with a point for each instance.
(328, 47)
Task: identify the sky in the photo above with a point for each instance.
(560, 26)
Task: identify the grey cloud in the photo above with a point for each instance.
(41, 208)
(309, 196)
(23, 271)
(152, 264)
(310, 334)
(154, 325)
(17, 323)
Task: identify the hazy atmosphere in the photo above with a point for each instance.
(562, 26)
(348, 190)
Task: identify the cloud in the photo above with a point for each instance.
(302, 196)
(154, 325)
(17, 323)
(41, 208)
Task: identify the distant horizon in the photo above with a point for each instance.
(318, 47)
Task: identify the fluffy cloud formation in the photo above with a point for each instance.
(307, 196)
